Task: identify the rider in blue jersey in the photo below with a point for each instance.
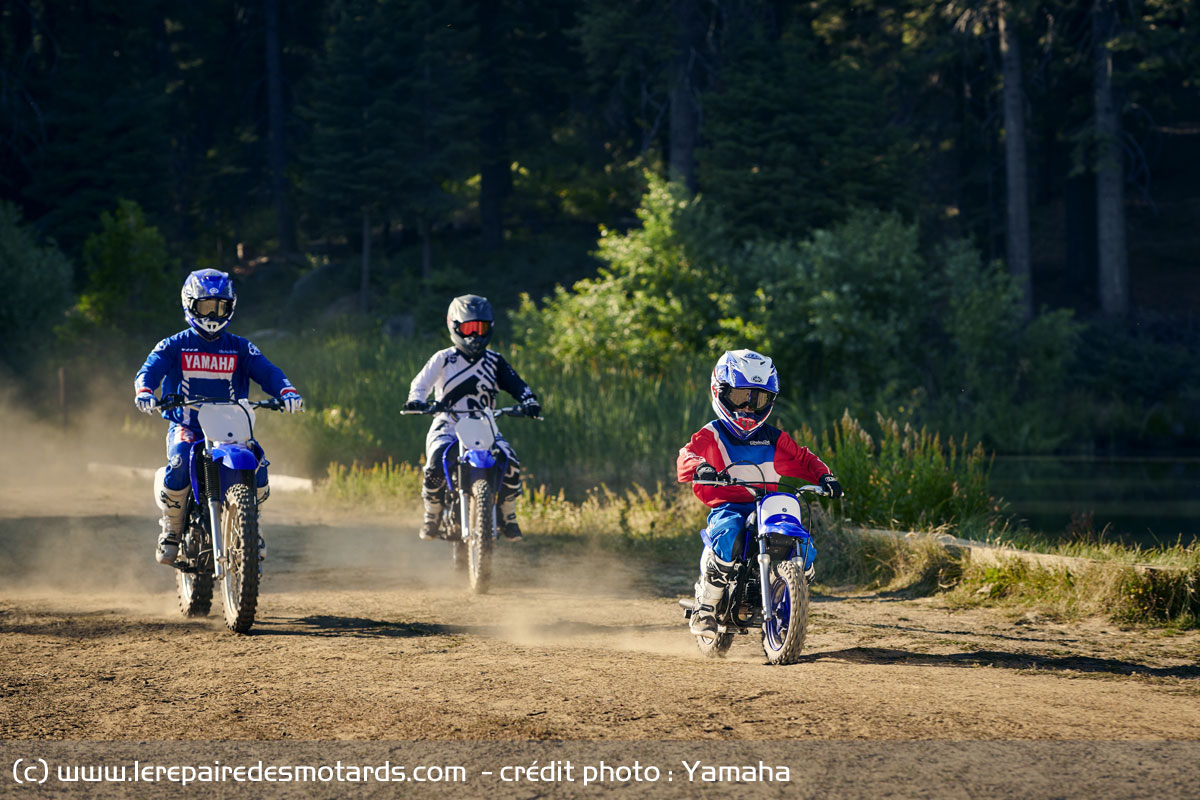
(202, 361)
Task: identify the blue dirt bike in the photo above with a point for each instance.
(223, 501)
(474, 471)
(770, 590)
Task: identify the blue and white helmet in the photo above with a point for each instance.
(744, 386)
(208, 301)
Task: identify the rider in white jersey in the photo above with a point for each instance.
(467, 376)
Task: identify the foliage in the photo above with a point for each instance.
(654, 304)
(797, 138)
(855, 316)
(131, 284)
(37, 285)
(907, 479)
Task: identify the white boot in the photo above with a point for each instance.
(433, 519)
(508, 521)
(715, 575)
(170, 502)
(261, 497)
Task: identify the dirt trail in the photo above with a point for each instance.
(364, 632)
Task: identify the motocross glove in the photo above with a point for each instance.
(705, 472)
(292, 401)
(831, 486)
(531, 406)
(416, 405)
(145, 401)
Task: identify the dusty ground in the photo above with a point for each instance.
(365, 633)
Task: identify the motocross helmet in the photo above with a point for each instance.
(470, 320)
(744, 386)
(208, 301)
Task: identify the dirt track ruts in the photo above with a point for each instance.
(365, 633)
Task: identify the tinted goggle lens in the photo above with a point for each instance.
(755, 400)
(475, 327)
(212, 307)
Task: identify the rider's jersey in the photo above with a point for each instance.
(191, 365)
(767, 455)
(459, 383)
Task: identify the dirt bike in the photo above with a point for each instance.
(474, 473)
(786, 554)
(223, 498)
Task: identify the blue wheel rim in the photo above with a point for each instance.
(781, 604)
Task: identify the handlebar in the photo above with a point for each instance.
(170, 401)
(761, 486)
(506, 411)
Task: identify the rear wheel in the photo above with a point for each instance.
(482, 516)
(195, 588)
(715, 645)
(783, 636)
(195, 593)
(239, 539)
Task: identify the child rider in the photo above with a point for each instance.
(204, 360)
(739, 444)
(467, 376)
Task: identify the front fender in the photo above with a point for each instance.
(235, 456)
(480, 459)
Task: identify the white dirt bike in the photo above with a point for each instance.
(223, 500)
(474, 471)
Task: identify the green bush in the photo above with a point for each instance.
(132, 284)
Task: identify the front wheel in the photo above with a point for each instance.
(783, 636)
(482, 516)
(239, 538)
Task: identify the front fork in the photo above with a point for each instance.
(764, 574)
(213, 489)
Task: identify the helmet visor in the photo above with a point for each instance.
(475, 327)
(753, 400)
(218, 307)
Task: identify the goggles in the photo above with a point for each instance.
(474, 327)
(754, 400)
(212, 307)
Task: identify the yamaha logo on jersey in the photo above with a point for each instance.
(209, 365)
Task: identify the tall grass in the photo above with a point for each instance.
(601, 425)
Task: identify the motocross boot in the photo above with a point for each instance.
(715, 575)
(434, 499)
(261, 496)
(170, 502)
(508, 521)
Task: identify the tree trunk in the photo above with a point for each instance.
(276, 122)
(1016, 166)
(1110, 176)
(495, 174)
(685, 103)
(364, 287)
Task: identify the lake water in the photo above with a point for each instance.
(1147, 501)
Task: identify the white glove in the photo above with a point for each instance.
(292, 401)
(145, 401)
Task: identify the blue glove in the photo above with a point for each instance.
(145, 401)
(292, 401)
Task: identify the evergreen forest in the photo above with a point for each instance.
(981, 217)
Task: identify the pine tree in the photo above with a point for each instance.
(353, 161)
